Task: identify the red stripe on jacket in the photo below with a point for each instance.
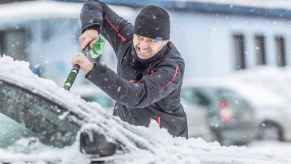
(159, 121)
(115, 29)
(174, 77)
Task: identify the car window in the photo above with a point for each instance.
(104, 101)
(35, 116)
(11, 131)
(196, 96)
(187, 95)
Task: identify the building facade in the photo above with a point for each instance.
(214, 38)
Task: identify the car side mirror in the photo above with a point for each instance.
(95, 143)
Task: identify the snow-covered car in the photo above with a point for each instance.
(36, 114)
(230, 117)
(272, 106)
(42, 123)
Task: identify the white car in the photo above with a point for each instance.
(271, 114)
(273, 105)
(231, 117)
(274, 122)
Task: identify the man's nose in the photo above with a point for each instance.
(144, 45)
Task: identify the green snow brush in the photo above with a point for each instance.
(92, 53)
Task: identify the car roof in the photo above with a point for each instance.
(256, 95)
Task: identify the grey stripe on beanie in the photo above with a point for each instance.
(153, 22)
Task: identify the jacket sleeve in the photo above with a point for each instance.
(115, 29)
(147, 91)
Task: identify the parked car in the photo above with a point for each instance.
(273, 115)
(231, 117)
(274, 123)
(272, 108)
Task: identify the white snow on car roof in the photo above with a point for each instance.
(18, 72)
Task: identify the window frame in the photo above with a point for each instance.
(260, 49)
(281, 53)
(239, 46)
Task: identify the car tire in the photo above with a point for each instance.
(270, 131)
(217, 133)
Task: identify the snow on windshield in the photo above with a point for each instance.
(159, 146)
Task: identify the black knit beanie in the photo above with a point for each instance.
(153, 22)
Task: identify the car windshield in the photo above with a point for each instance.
(25, 114)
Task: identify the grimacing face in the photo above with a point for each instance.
(146, 47)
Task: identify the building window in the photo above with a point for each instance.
(260, 50)
(239, 50)
(280, 51)
(1, 45)
(12, 43)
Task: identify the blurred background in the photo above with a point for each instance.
(237, 81)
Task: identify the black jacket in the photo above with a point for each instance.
(144, 90)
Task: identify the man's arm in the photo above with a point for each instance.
(149, 90)
(99, 16)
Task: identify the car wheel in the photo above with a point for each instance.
(218, 136)
(270, 131)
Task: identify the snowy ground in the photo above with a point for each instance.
(193, 151)
(162, 148)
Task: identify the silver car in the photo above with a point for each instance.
(230, 116)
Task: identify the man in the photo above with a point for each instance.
(150, 69)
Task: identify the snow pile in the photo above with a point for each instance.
(143, 145)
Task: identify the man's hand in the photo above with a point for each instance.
(85, 64)
(89, 37)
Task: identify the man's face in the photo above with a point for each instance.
(147, 47)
